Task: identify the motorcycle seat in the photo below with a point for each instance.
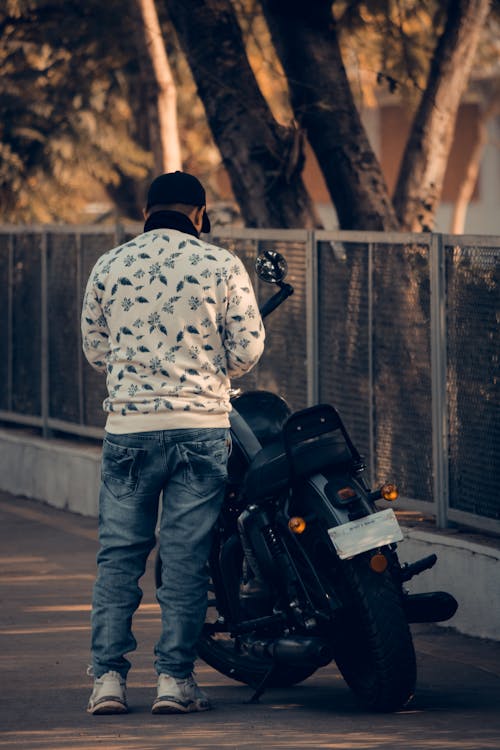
(271, 470)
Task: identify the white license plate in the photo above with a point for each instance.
(366, 533)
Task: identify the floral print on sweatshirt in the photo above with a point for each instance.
(169, 318)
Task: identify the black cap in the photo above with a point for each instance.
(178, 187)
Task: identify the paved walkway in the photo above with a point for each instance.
(47, 568)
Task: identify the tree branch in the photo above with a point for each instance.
(263, 159)
(305, 37)
(420, 181)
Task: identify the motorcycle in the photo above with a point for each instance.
(304, 566)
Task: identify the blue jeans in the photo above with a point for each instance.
(190, 468)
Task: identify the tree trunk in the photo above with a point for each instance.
(263, 159)
(305, 38)
(164, 133)
(420, 181)
(474, 162)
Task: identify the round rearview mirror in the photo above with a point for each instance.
(271, 267)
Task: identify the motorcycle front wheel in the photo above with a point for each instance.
(373, 646)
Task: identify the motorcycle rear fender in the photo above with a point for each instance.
(317, 495)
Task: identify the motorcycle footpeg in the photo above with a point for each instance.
(409, 570)
(434, 606)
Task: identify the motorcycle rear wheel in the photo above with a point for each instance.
(373, 646)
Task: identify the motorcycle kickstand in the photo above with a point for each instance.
(261, 687)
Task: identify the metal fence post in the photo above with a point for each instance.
(439, 379)
(371, 392)
(10, 325)
(44, 336)
(312, 322)
(79, 296)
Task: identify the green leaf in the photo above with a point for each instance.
(191, 279)
(142, 300)
(126, 282)
(193, 329)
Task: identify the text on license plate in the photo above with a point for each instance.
(366, 533)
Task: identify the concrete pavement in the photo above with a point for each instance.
(47, 564)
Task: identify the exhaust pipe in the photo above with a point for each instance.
(434, 606)
(297, 651)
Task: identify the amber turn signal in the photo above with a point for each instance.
(378, 563)
(297, 525)
(389, 492)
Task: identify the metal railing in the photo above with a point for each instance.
(399, 331)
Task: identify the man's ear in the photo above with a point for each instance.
(144, 213)
(198, 217)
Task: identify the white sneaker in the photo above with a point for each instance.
(179, 696)
(109, 695)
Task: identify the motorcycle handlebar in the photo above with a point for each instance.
(275, 301)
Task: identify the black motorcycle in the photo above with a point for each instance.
(304, 568)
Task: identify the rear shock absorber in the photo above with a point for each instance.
(290, 583)
(269, 559)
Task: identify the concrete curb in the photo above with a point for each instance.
(66, 475)
(465, 569)
(62, 473)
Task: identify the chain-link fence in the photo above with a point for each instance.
(400, 332)
(473, 377)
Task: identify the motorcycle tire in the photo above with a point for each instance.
(373, 646)
(223, 654)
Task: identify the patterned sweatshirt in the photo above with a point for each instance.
(169, 318)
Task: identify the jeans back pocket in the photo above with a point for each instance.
(121, 466)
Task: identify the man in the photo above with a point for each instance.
(170, 319)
